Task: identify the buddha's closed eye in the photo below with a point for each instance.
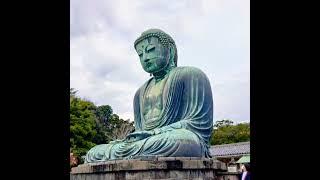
(150, 48)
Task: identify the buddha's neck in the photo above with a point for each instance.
(158, 76)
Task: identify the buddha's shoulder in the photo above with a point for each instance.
(142, 87)
(189, 71)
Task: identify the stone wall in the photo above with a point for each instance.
(228, 175)
(156, 168)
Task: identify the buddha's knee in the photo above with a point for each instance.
(188, 143)
(96, 153)
(175, 143)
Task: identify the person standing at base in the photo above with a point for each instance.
(245, 171)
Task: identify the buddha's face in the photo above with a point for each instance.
(154, 57)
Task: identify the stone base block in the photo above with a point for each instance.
(150, 168)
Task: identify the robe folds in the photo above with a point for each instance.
(183, 128)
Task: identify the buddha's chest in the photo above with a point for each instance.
(153, 95)
(153, 99)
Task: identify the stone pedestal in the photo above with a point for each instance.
(150, 168)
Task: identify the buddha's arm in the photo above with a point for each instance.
(176, 125)
(136, 107)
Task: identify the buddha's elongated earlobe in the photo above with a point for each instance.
(172, 54)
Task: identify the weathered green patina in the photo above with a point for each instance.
(173, 110)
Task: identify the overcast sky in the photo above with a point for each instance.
(213, 35)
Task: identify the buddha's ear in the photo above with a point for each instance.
(172, 53)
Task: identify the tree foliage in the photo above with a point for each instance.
(91, 125)
(82, 125)
(225, 132)
(104, 113)
(224, 122)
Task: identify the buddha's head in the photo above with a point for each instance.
(157, 51)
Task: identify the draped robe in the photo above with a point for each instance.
(183, 127)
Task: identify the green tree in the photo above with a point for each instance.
(224, 122)
(102, 133)
(91, 125)
(82, 125)
(104, 113)
(225, 132)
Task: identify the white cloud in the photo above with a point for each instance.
(104, 70)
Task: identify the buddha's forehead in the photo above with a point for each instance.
(147, 41)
